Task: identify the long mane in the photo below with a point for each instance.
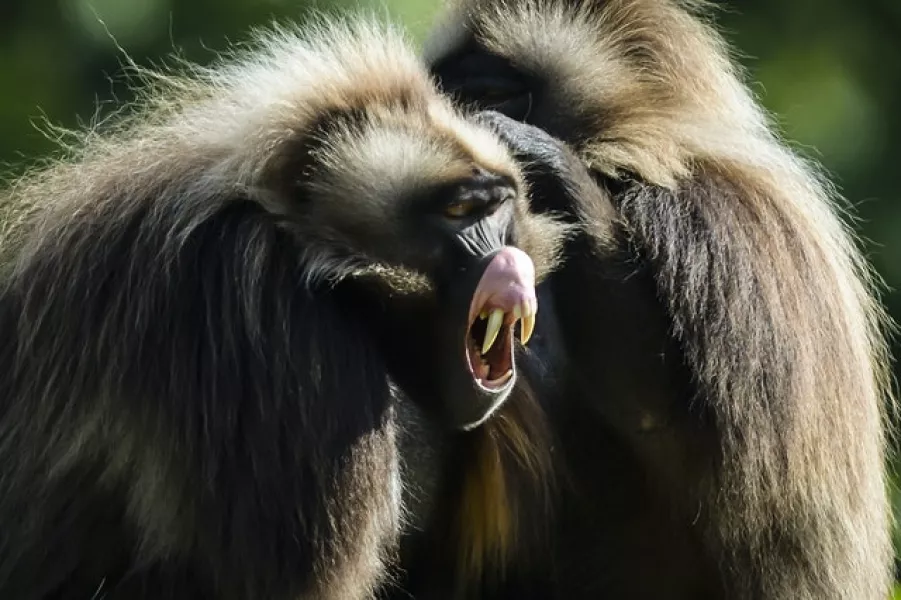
(766, 286)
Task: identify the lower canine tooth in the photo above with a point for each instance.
(503, 378)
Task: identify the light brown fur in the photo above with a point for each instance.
(772, 301)
(506, 490)
(171, 241)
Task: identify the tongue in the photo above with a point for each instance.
(508, 281)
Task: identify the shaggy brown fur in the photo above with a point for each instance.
(774, 458)
(194, 403)
(490, 494)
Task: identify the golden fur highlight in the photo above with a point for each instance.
(511, 476)
(234, 124)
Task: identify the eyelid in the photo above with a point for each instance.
(465, 209)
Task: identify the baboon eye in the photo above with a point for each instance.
(458, 210)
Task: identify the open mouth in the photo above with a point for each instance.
(504, 297)
(490, 340)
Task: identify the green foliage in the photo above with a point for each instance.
(828, 69)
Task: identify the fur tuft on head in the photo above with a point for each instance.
(335, 112)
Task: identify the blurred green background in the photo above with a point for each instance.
(830, 70)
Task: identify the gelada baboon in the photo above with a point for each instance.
(724, 380)
(199, 306)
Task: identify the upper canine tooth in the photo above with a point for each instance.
(528, 326)
(517, 312)
(530, 308)
(495, 320)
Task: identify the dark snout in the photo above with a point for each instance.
(464, 404)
